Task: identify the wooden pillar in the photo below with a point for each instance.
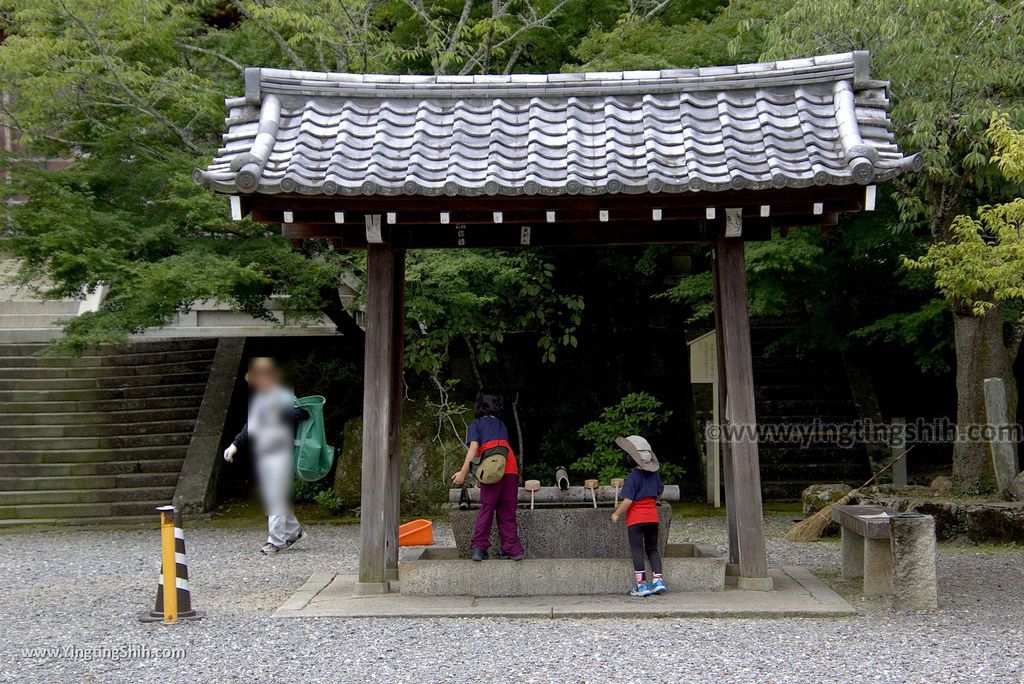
(382, 378)
(742, 469)
(394, 493)
(723, 391)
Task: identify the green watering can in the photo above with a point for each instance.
(313, 455)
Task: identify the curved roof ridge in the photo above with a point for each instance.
(791, 123)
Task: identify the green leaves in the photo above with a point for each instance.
(982, 263)
(637, 413)
(949, 63)
(480, 295)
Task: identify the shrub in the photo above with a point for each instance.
(637, 413)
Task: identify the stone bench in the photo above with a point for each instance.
(867, 552)
(894, 553)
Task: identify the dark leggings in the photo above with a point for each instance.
(643, 540)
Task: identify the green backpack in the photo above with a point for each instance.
(313, 456)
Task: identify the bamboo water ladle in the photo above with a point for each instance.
(532, 486)
(617, 482)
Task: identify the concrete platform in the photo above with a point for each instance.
(797, 593)
(439, 571)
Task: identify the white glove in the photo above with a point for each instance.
(229, 453)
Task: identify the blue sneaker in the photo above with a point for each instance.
(657, 586)
(640, 589)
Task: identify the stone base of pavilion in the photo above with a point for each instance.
(795, 593)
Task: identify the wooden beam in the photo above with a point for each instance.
(510, 235)
(852, 195)
(782, 213)
(374, 234)
(380, 377)
(740, 416)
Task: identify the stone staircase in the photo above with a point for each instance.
(96, 438)
(792, 390)
(23, 317)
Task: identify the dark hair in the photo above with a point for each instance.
(489, 404)
(627, 461)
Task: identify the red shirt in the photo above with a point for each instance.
(488, 431)
(511, 467)
(642, 511)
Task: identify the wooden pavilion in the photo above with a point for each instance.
(718, 155)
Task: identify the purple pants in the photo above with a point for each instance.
(501, 499)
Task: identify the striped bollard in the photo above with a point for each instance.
(176, 605)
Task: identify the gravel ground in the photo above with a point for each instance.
(83, 588)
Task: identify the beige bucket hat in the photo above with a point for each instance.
(640, 450)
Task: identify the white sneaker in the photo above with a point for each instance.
(269, 549)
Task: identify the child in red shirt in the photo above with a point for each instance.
(640, 494)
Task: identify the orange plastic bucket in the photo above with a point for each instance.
(416, 533)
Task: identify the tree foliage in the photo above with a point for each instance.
(132, 92)
(981, 264)
(637, 413)
(949, 64)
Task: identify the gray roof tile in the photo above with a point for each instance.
(768, 125)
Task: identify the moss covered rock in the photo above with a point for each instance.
(427, 461)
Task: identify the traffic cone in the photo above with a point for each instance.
(173, 543)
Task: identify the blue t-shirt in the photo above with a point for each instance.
(490, 429)
(486, 429)
(641, 484)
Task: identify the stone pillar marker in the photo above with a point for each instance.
(913, 549)
(1004, 456)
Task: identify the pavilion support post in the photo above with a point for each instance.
(382, 377)
(742, 469)
(727, 478)
(394, 491)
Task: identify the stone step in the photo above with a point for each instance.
(25, 401)
(108, 360)
(36, 408)
(806, 421)
(838, 471)
(17, 336)
(809, 375)
(793, 391)
(9, 499)
(29, 349)
(80, 372)
(817, 452)
(20, 321)
(804, 406)
(124, 430)
(84, 482)
(108, 382)
(76, 470)
(77, 449)
(38, 306)
(101, 521)
(132, 416)
(81, 510)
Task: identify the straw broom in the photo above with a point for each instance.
(811, 527)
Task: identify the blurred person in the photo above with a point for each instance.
(269, 432)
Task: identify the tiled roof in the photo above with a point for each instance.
(794, 123)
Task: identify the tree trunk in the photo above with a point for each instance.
(980, 353)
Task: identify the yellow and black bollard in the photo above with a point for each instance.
(173, 596)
